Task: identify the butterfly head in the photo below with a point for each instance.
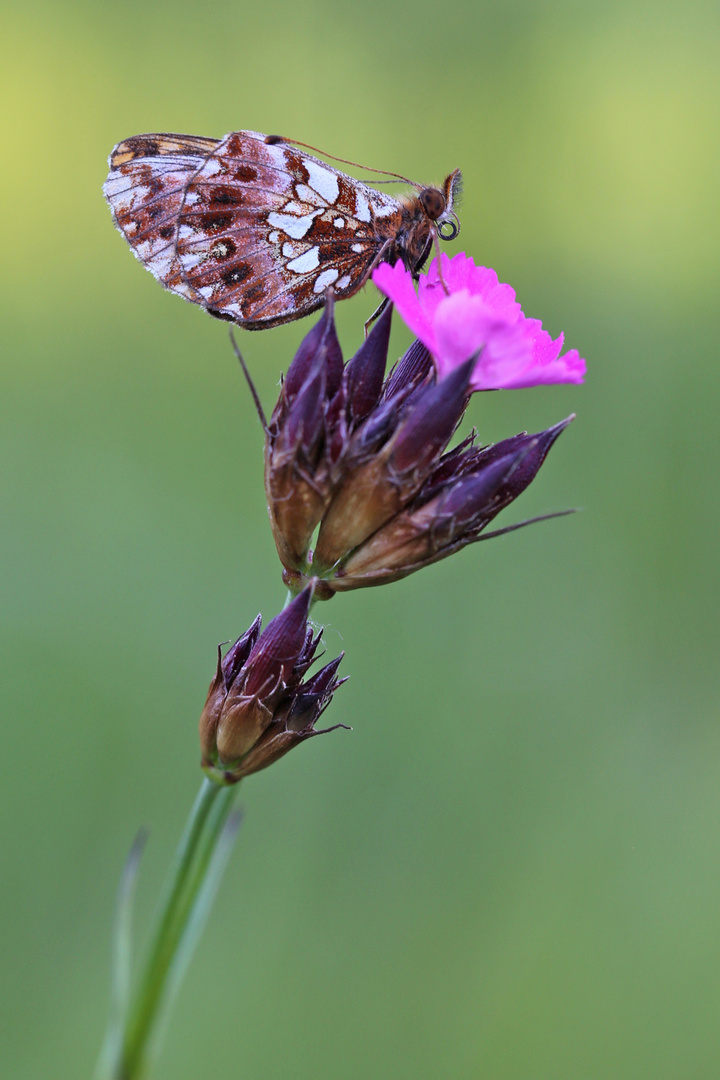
(439, 205)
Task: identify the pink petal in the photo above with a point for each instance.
(397, 283)
(466, 326)
(461, 273)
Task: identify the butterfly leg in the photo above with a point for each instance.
(376, 314)
(380, 257)
(255, 396)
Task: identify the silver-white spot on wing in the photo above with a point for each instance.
(192, 259)
(305, 194)
(325, 279)
(362, 207)
(322, 180)
(306, 262)
(296, 227)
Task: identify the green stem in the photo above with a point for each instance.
(188, 893)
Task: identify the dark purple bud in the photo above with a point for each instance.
(411, 369)
(336, 427)
(305, 358)
(236, 656)
(319, 343)
(266, 708)
(531, 451)
(444, 517)
(304, 440)
(310, 700)
(455, 463)
(435, 415)
(472, 494)
(375, 431)
(303, 422)
(472, 500)
(365, 371)
(385, 418)
(321, 683)
(277, 650)
(333, 358)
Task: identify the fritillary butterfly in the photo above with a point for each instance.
(256, 231)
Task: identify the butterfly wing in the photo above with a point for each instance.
(253, 230)
(145, 189)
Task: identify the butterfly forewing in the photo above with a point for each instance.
(252, 229)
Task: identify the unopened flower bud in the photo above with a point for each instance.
(258, 706)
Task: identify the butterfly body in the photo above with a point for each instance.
(255, 230)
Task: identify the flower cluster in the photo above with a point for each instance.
(363, 458)
(357, 465)
(259, 704)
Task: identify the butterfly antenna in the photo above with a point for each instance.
(251, 384)
(273, 139)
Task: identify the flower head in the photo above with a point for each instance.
(469, 313)
(363, 459)
(258, 706)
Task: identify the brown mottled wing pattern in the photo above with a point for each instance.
(254, 231)
(145, 189)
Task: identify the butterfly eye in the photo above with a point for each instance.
(433, 202)
(448, 230)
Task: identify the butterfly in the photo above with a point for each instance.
(256, 231)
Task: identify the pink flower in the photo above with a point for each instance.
(478, 315)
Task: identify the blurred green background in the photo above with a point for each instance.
(510, 869)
